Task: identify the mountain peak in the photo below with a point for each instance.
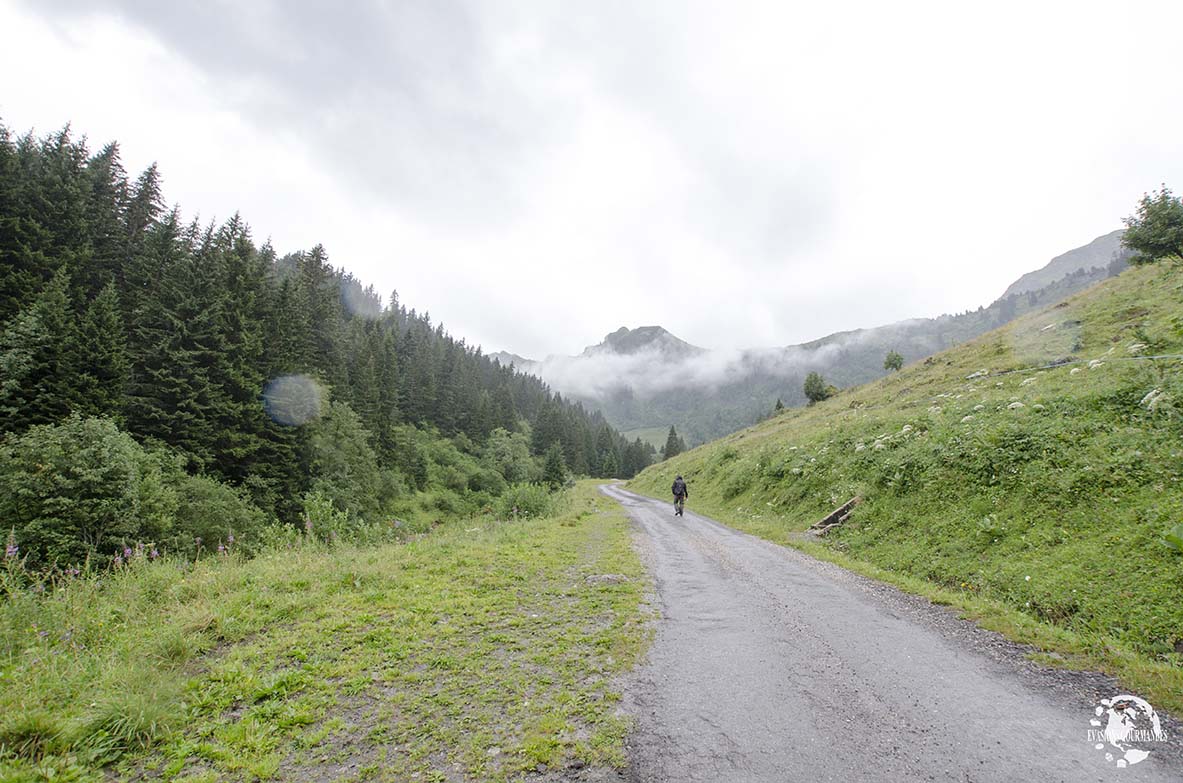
(643, 338)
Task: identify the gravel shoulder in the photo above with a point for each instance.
(768, 664)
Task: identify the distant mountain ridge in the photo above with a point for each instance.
(1098, 253)
(646, 379)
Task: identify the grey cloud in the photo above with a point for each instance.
(404, 98)
(419, 104)
(650, 372)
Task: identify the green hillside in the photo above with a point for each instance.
(654, 436)
(1029, 476)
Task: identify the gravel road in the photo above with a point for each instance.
(769, 665)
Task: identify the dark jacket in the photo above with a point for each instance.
(680, 490)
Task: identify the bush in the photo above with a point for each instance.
(214, 512)
(816, 388)
(344, 467)
(524, 500)
(324, 521)
(487, 481)
(79, 488)
(509, 454)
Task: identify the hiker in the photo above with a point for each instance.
(681, 493)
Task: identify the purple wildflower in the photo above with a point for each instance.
(73, 572)
(230, 538)
(127, 552)
(221, 549)
(12, 551)
(155, 553)
(118, 559)
(43, 634)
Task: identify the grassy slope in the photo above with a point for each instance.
(475, 653)
(1044, 521)
(655, 436)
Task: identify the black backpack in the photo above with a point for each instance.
(679, 487)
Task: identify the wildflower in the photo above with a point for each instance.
(221, 549)
(230, 537)
(12, 551)
(155, 553)
(1027, 578)
(127, 552)
(118, 559)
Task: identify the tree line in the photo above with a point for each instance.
(114, 307)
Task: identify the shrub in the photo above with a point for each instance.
(323, 520)
(816, 388)
(214, 512)
(81, 487)
(526, 500)
(488, 481)
(344, 467)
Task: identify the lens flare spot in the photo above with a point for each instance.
(292, 400)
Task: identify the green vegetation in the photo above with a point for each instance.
(1032, 477)
(893, 361)
(1155, 230)
(816, 389)
(137, 350)
(703, 412)
(653, 437)
(486, 648)
(674, 445)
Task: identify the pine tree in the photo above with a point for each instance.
(554, 467)
(37, 376)
(101, 361)
(106, 203)
(112, 306)
(673, 445)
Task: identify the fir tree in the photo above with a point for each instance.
(554, 467)
(101, 361)
(674, 445)
(37, 375)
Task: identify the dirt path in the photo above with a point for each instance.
(769, 665)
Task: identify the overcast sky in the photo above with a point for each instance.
(539, 174)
